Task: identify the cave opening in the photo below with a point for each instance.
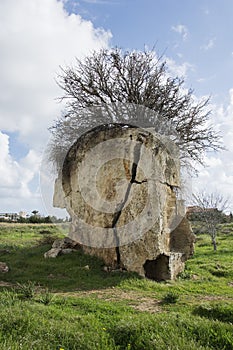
(157, 269)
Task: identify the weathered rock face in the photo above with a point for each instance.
(119, 184)
(62, 246)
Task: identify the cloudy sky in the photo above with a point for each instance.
(38, 36)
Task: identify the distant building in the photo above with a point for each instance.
(197, 209)
(13, 216)
(193, 209)
(9, 216)
(196, 212)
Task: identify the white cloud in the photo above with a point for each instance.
(182, 30)
(179, 70)
(36, 37)
(201, 80)
(218, 174)
(16, 177)
(8, 168)
(205, 10)
(209, 45)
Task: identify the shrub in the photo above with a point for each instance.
(27, 290)
(170, 298)
(185, 275)
(46, 297)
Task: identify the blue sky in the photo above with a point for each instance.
(37, 36)
(197, 32)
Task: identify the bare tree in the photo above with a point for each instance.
(112, 77)
(210, 208)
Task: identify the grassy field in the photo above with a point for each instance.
(60, 304)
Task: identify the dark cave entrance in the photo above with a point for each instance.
(158, 269)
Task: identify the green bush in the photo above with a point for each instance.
(46, 297)
(27, 290)
(170, 298)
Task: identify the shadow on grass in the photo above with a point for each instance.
(223, 313)
(66, 273)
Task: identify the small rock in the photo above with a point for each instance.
(3, 267)
(66, 243)
(52, 253)
(87, 267)
(62, 246)
(195, 277)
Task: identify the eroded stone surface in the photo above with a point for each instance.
(62, 246)
(119, 185)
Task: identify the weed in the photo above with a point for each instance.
(170, 298)
(46, 297)
(27, 290)
(185, 275)
(8, 297)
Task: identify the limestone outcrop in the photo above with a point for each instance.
(61, 247)
(120, 185)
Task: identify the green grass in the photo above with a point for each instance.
(59, 304)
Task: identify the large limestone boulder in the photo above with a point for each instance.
(120, 185)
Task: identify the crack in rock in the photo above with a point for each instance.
(137, 155)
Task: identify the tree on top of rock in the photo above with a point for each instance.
(111, 78)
